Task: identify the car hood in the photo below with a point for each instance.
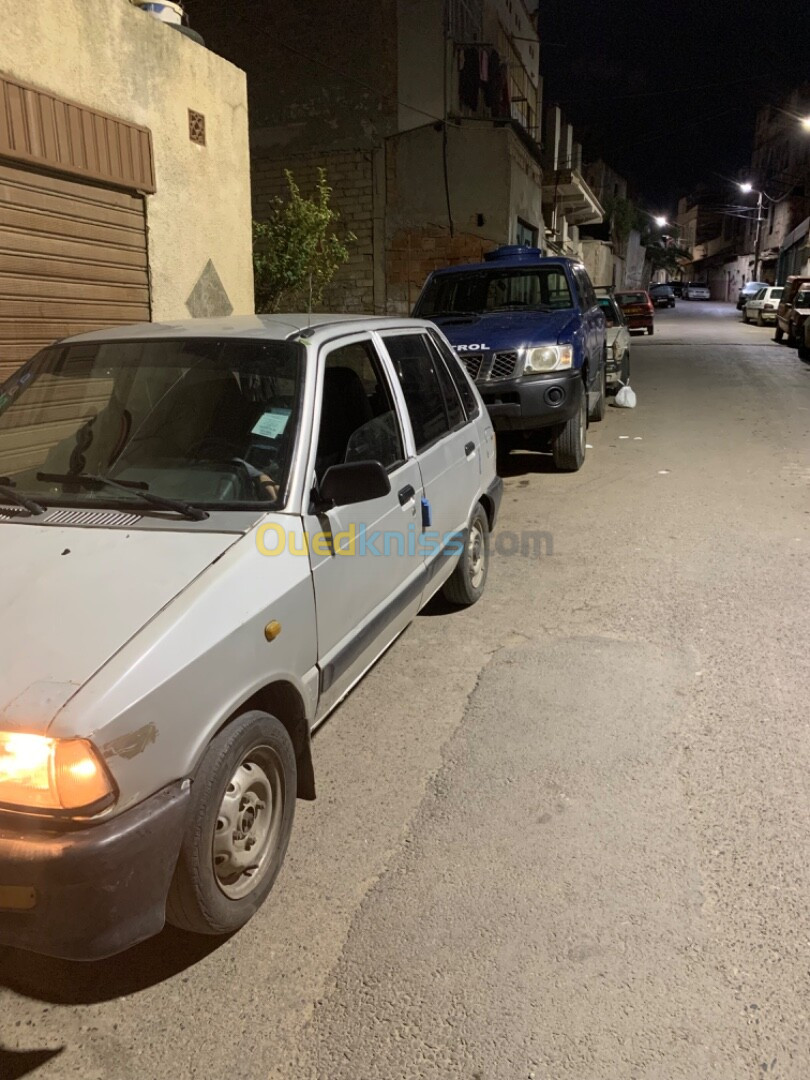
(71, 598)
(508, 329)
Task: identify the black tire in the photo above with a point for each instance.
(242, 763)
(744, 317)
(760, 320)
(568, 445)
(625, 376)
(466, 584)
(651, 330)
(777, 334)
(598, 411)
(804, 351)
(790, 337)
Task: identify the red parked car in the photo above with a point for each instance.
(637, 308)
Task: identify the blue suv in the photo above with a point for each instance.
(531, 333)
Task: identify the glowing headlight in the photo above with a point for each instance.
(37, 773)
(547, 358)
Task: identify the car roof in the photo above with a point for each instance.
(273, 327)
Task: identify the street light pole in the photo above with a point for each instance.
(757, 237)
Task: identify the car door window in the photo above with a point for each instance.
(358, 418)
(417, 366)
(459, 376)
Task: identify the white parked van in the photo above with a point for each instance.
(210, 531)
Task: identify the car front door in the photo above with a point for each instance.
(447, 446)
(368, 568)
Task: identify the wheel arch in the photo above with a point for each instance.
(283, 700)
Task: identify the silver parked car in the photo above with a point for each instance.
(761, 309)
(210, 531)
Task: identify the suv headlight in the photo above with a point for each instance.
(547, 358)
(38, 773)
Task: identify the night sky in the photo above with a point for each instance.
(667, 92)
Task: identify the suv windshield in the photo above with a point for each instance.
(208, 421)
(499, 289)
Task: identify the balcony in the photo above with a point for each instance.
(566, 192)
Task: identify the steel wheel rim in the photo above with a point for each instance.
(475, 555)
(248, 822)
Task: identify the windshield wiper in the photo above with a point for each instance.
(7, 486)
(88, 480)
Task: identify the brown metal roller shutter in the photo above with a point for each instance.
(73, 257)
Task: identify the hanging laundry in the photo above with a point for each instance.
(483, 65)
(493, 89)
(469, 80)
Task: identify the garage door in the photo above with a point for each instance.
(72, 258)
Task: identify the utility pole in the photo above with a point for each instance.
(757, 237)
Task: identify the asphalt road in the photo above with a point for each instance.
(561, 835)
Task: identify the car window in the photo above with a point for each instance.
(803, 299)
(358, 417)
(631, 298)
(761, 294)
(458, 373)
(776, 293)
(418, 367)
(611, 311)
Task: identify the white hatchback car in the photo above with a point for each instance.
(762, 308)
(211, 530)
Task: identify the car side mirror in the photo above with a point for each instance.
(358, 481)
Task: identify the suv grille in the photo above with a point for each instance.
(484, 367)
(503, 365)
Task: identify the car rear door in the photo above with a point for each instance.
(367, 566)
(447, 444)
(593, 321)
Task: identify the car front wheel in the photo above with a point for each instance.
(241, 817)
(568, 445)
(466, 584)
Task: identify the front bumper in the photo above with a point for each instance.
(87, 893)
(531, 401)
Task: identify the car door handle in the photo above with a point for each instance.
(406, 494)
(469, 448)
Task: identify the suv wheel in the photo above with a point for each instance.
(568, 445)
(466, 584)
(240, 820)
(777, 334)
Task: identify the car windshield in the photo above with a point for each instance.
(208, 421)
(631, 298)
(499, 289)
(776, 293)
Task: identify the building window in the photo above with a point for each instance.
(525, 233)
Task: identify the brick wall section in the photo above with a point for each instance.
(349, 173)
(414, 253)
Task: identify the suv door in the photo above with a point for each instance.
(446, 442)
(367, 565)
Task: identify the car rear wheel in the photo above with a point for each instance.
(760, 320)
(466, 584)
(240, 820)
(568, 445)
(651, 330)
(791, 338)
(777, 334)
(744, 315)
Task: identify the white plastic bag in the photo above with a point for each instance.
(626, 397)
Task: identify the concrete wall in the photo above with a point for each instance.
(110, 56)
(597, 257)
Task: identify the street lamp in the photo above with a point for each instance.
(661, 222)
(805, 122)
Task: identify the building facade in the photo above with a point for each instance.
(124, 174)
(424, 113)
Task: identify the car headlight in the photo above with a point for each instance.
(547, 358)
(38, 773)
